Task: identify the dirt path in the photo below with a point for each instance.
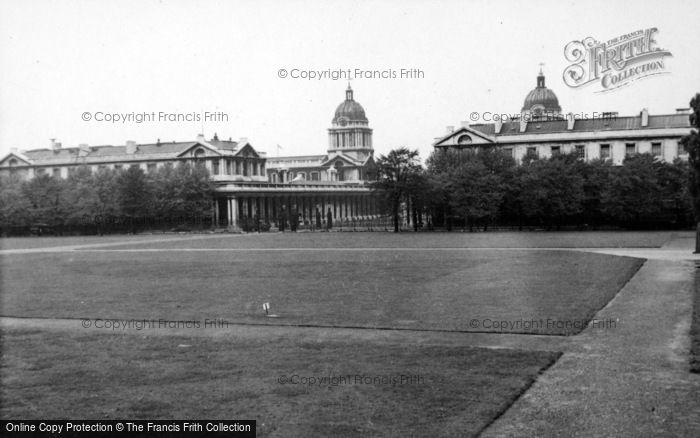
(632, 380)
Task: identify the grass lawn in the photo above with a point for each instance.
(602, 239)
(695, 327)
(424, 289)
(54, 241)
(92, 375)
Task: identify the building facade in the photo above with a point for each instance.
(541, 130)
(349, 157)
(249, 185)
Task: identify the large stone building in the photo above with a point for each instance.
(350, 156)
(542, 130)
(248, 183)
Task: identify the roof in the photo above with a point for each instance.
(349, 110)
(585, 125)
(296, 161)
(146, 151)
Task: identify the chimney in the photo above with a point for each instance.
(83, 149)
(464, 124)
(130, 147)
(498, 126)
(450, 130)
(523, 124)
(13, 150)
(200, 137)
(645, 118)
(570, 121)
(54, 144)
(243, 141)
(682, 110)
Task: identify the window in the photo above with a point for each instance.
(56, 172)
(133, 166)
(273, 177)
(315, 176)
(228, 167)
(580, 151)
(215, 167)
(238, 167)
(117, 167)
(254, 167)
(151, 167)
(464, 139)
(508, 151)
(681, 149)
(532, 151)
(630, 149)
(199, 153)
(656, 149)
(556, 150)
(245, 169)
(604, 151)
(41, 171)
(12, 162)
(169, 165)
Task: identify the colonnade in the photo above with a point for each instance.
(229, 210)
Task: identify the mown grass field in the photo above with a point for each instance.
(320, 281)
(412, 289)
(455, 391)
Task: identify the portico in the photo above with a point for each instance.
(269, 202)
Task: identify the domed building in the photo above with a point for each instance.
(542, 131)
(541, 101)
(350, 156)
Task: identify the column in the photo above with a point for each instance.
(234, 211)
(216, 212)
(228, 211)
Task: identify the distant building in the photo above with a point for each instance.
(542, 130)
(248, 183)
(350, 156)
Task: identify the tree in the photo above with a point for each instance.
(48, 204)
(14, 206)
(81, 197)
(106, 205)
(134, 194)
(396, 174)
(550, 191)
(477, 194)
(634, 196)
(691, 143)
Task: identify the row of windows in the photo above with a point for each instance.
(313, 176)
(605, 150)
(239, 167)
(236, 167)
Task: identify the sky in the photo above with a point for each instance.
(60, 60)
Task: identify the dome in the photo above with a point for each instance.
(541, 99)
(349, 110)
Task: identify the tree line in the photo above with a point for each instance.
(108, 200)
(485, 187)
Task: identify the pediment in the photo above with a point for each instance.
(465, 136)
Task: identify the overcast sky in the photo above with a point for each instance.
(61, 59)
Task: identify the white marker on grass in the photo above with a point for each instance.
(266, 308)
